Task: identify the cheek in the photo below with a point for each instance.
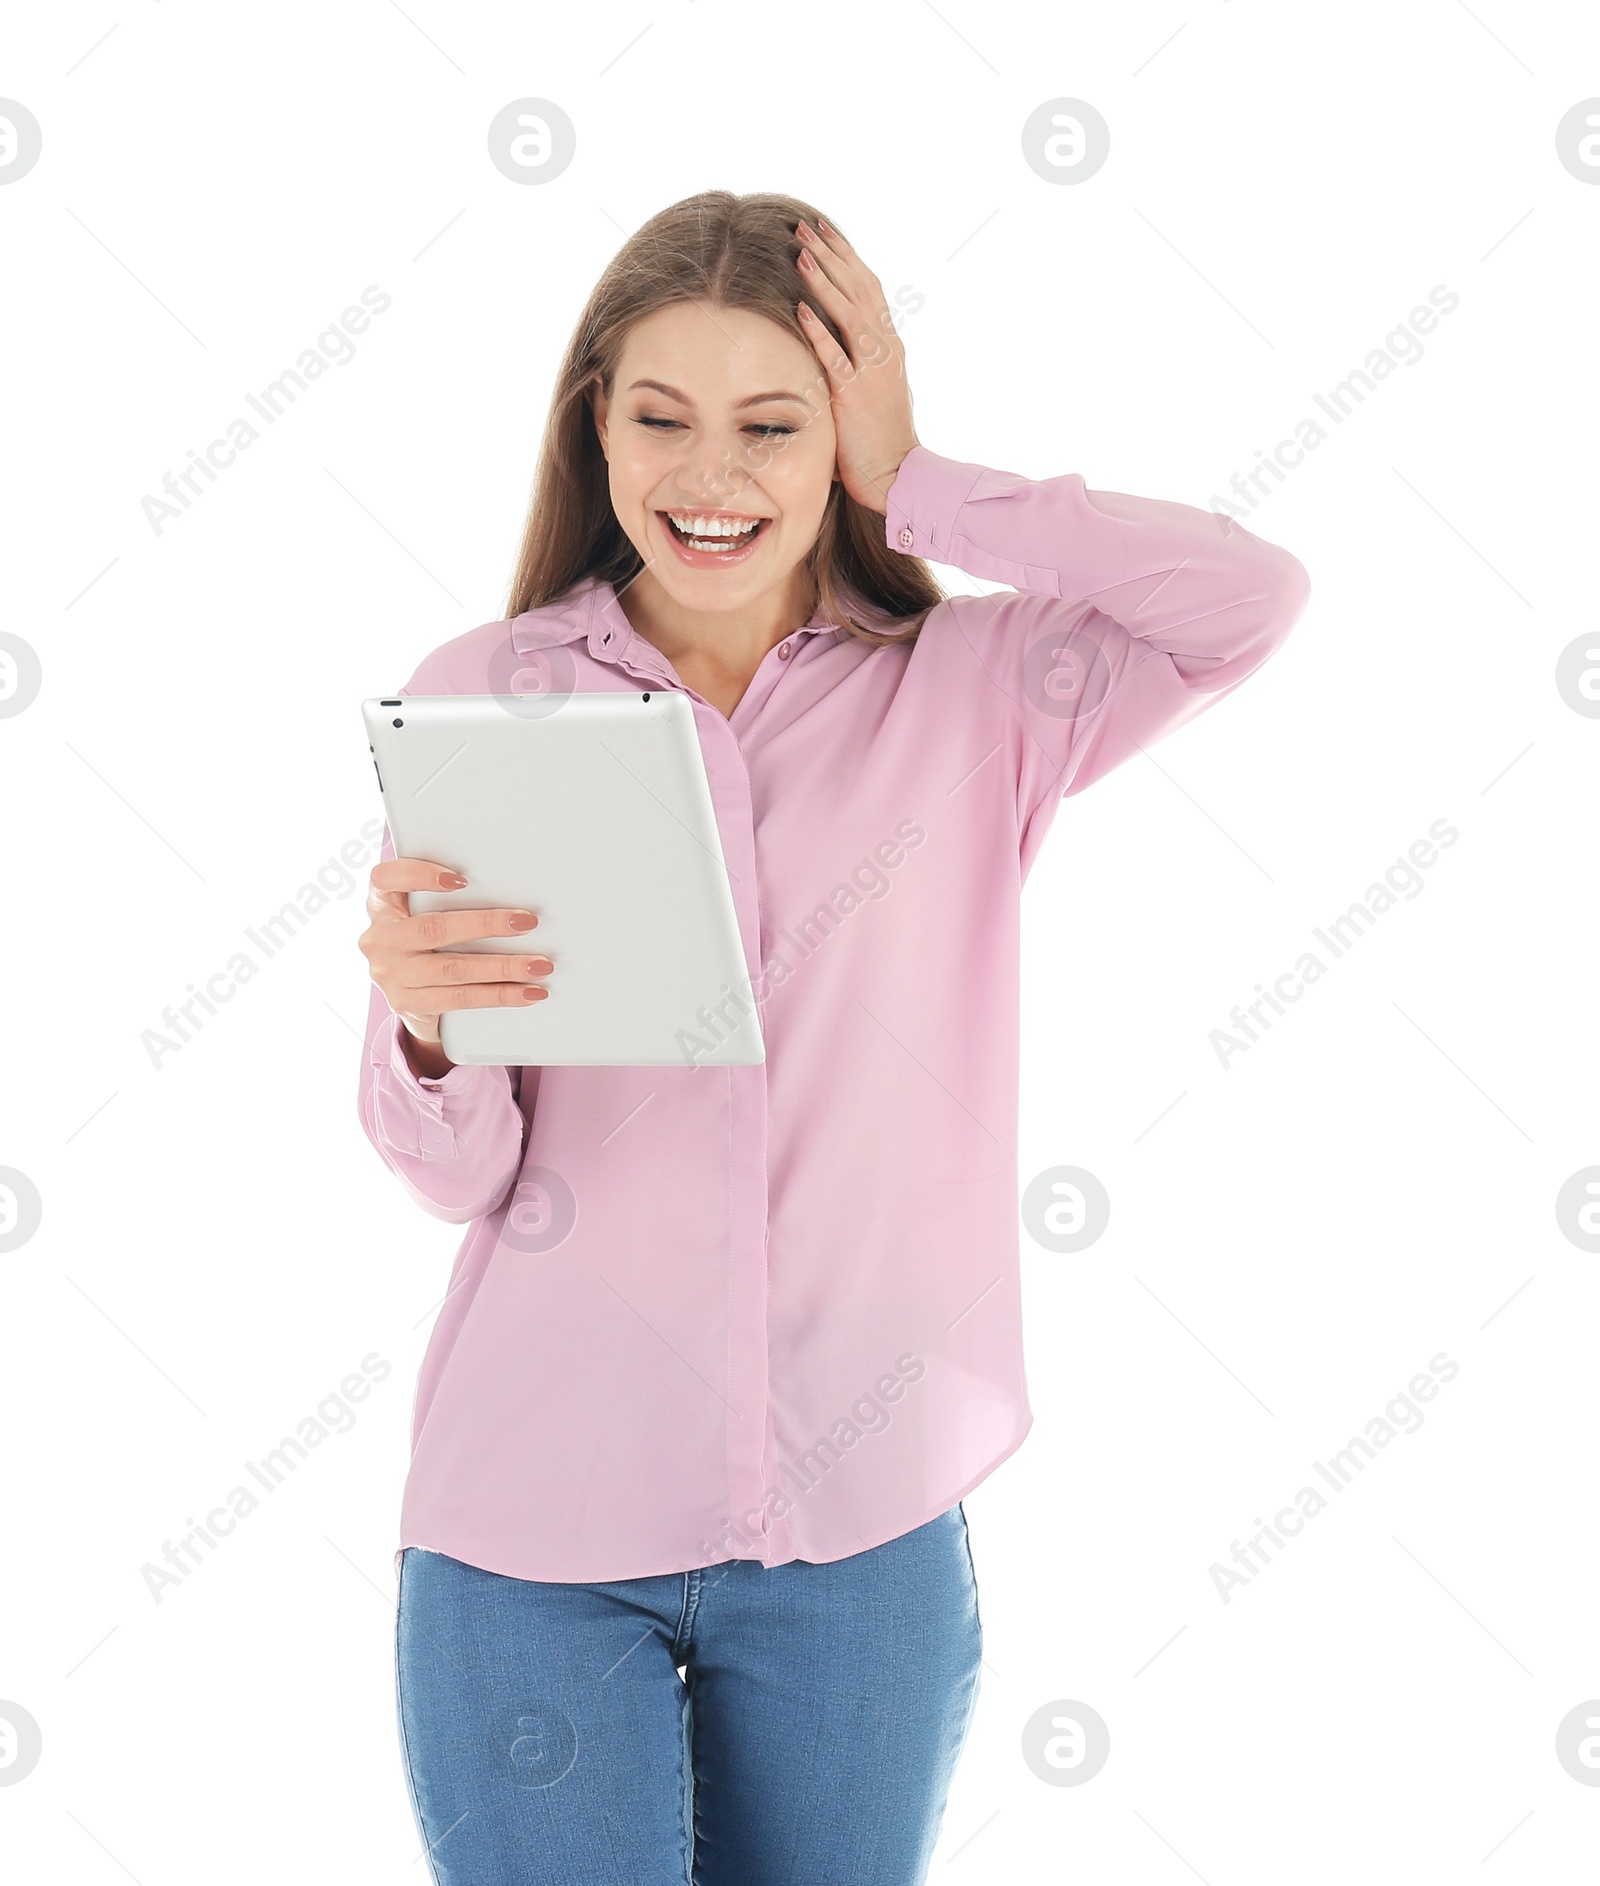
(799, 476)
(632, 479)
(628, 467)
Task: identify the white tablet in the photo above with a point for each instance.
(594, 812)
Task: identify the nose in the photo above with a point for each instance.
(708, 475)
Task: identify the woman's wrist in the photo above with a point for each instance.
(878, 484)
(427, 1059)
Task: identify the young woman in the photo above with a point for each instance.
(685, 1588)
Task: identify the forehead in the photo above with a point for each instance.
(714, 354)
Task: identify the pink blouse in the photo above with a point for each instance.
(773, 1312)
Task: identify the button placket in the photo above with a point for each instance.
(749, 1398)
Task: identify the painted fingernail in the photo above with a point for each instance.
(521, 920)
(452, 880)
(540, 966)
(802, 229)
(533, 994)
(826, 230)
(806, 261)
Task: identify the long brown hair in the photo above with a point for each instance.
(732, 252)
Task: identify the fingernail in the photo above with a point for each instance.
(522, 920)
(533, 994)
(824, 227)
(540, 966)
(452, 880)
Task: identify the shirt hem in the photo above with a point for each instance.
(494, 1561)
(940, 1506)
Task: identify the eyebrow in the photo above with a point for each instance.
(755, 399)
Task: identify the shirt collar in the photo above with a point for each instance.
(591, 610)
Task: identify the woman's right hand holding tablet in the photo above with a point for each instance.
(412, 963)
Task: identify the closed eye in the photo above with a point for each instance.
(765, 431)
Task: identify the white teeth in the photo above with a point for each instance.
(713, 527)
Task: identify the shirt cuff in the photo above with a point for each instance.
(924, 501)
(430, 1091)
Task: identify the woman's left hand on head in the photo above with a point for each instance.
(866, 380)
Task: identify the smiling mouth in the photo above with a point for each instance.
(719, 538)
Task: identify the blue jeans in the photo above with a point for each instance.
(548, 1736)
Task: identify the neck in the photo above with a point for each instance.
(731, 641)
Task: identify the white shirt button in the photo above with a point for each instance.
(783, 652)
(908, 536)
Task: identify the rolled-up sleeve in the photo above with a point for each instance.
(1127, 616)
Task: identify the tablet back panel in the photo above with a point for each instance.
(594, 811)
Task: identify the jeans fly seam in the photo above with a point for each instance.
(691, 1599)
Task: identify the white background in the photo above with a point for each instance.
(1292, 1237)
